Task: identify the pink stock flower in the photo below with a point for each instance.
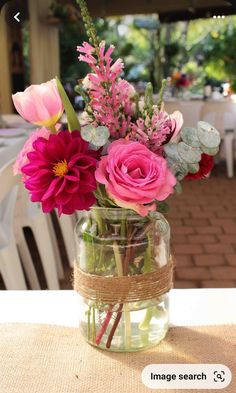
(158, 130)
(135, 177)
(40, 104)
(22, 158)
(60, 173)
(111, 98)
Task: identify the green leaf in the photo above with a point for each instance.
(148, 98)
(190, 137)
(208, 135)
(211, 151)
(162, 207)
(97, 136)
(72, 118)
(189, 154)
(193, 168)
(160, 99)
(178, 188)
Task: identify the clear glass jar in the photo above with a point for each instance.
(114, 242)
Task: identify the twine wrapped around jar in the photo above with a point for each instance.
(124, 289)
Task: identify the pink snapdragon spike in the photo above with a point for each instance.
(158, 130)
(135, 177)
(40, 104)
(61, 173)
(22, 158)
(111, 98)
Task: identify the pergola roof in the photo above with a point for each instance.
(168, 10)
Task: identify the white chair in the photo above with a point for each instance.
(67, 224)
(222, 117)
(29, 215)
(10, 265)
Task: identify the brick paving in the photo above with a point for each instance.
(203, 232)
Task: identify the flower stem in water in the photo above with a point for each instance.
(93, 325)
(103, 327)
(127, 321)
(127, 326)
(114, 327)
(89, 316)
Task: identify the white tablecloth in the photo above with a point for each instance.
(11, 148)
(188, 307)
(212, 111)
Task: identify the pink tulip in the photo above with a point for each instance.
(40, 104)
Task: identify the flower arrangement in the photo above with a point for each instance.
(124, 154)
(76, 168)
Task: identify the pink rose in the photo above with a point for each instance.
(135, 177)
(40, 104)
(22, 158)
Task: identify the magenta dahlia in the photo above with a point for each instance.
(60, 173)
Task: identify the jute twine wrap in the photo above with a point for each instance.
(124, 289)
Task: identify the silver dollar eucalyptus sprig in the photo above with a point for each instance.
(183, 156)
(96, 136)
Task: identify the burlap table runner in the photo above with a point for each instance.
(50, 359)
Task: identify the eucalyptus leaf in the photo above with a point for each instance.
(208, 135)
(101, 136)
(171, 151)
(190, 137)
(210, 151)
(97, 136)
(87, 132)
(178, 168)
(178, 188)
(193, 168)
(72, 118)
(162, 207)
(188, 153)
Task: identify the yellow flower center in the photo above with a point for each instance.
(60, 168)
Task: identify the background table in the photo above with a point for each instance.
(11, 148)
(195, 110)
(188, 307)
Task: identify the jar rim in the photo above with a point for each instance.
(122, 210)
(120, 213)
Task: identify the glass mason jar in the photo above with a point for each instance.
(115, 242)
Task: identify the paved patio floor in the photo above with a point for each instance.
(203, 232)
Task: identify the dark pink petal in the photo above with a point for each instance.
(68, 191)
(48, 205)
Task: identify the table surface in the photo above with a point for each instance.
(188, 307)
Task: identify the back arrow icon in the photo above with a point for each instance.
(16, 17)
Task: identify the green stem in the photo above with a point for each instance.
(100, 222)
(93, 325)
(89, 316)
(118, 260)
(127, 326)
(53, 129)
(127, 320)
(122, 228)
(144, 324)
(160, 99)
(147, 258)
(88, 23)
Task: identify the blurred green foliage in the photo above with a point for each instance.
(206, 48)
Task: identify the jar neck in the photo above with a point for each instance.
(123, 214)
